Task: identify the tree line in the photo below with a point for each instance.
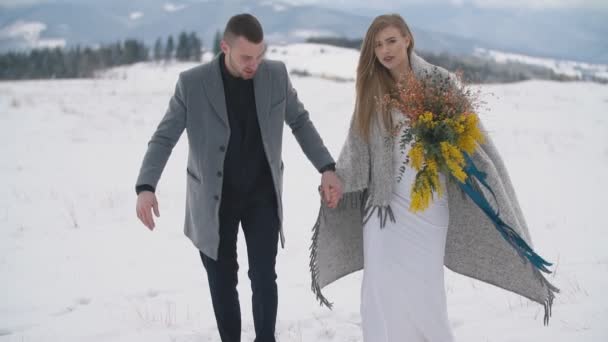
(82, 62)
(474, 69)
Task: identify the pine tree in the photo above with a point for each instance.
(169, 48)
(158, 50)
(86, 63)
(143, 52)
(216, 43)
(69, 60)
(57, 66)
(131, 51)
(196, 46)
(182, 53)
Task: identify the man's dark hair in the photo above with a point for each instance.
(244, 25)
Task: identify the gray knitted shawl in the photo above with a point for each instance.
(473, 248)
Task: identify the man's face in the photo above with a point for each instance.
(243, 57)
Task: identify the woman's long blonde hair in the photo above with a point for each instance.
(373, 79)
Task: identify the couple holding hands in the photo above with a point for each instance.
(234, 109)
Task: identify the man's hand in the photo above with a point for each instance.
(331, 188)
(146, 202)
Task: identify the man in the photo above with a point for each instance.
(233, 109)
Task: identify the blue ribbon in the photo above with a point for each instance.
(507, 232)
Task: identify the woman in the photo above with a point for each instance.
(403, 253)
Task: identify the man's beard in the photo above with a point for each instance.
(234, 67)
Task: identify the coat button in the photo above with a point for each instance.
(219, 174)
(223, 148)
(216, 197)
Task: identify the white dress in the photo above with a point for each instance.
(403, 293)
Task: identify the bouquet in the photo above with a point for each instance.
(441, 126)
(443, 131)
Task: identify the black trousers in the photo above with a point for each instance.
(260, 224)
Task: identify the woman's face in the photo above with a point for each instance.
(391, 49)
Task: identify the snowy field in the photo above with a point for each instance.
(77, 265)
(560, 67)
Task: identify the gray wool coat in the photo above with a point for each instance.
(474, 247)
(199, 107)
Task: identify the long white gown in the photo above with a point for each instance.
(403, 293)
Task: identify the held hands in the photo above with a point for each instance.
(146, 202)
(331, 189)
(331, 192)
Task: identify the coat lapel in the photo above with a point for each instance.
(214, 87)
(261, 88)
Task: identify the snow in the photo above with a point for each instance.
(171, 7)
(135, 15)
(308, 33)
(276, 6)
(76, 265)
(319, 60)
(30, 31)
(568, 68)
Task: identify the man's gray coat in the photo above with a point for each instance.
(199, 107)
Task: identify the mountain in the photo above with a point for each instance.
(437, 28)
(564, 33)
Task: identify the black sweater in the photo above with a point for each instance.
(246, 173)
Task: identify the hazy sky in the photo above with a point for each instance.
(482, 3)
(486, 3)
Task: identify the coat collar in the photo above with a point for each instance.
(214, 87)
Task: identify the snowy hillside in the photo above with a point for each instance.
(318, 60)
(76, 265)
(562, 67)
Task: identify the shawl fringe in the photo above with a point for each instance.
(314, 268)
(352, 200)
(365, 167)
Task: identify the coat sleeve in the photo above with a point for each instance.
(298, 119)
(164, 138)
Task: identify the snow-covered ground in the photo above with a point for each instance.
(322, 61)
(561, 67)
(76, 265)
